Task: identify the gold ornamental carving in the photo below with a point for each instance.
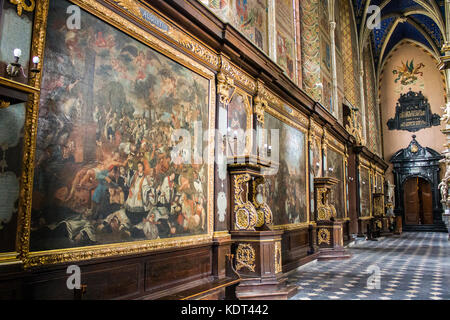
(260, 107)
(265, 216)
(131, 6)
(245, 257)
(278, 258)
(325, 211)
(324, 236)
(23, 5)
(224, 84)
(4, 104)
(354, 127)
(245, 213)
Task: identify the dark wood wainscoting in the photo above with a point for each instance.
(296, 246)
(151, 276)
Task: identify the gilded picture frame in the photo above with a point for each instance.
(248, 130)
(299, 122)
(365, 165)
(126, 25)
(340, 149)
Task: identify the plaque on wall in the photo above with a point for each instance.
(413, 113)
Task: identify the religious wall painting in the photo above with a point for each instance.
(109, 168)
(12, 121)
(286, 188)
(336, 169)
(251, 18)
(219, 7)
(365, 191)
(239, 123)
(284, 11)
(326, 53)
(327, 94)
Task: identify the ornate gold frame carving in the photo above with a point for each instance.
(173, 33)
(23, 6)
(4, 104)
(31, 259)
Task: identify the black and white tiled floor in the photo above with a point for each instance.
(413, 266)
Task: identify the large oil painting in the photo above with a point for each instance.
(286, 189)
(108, 168)
(12, 121)
(364, 187)
(335, 164)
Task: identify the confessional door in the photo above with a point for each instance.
(418, 202)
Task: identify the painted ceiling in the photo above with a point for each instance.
(419, 20)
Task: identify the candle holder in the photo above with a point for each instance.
(15, 67)
(35, 70)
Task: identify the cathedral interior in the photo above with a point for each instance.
(224, 149)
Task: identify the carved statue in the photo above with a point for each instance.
(443, 186)
(446, 116)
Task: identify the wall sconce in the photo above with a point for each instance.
(331, 170)
(269, 151)
(14, 67)
(35, 69)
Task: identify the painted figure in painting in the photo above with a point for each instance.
(237, 121)
(250, 17)
(105, 159)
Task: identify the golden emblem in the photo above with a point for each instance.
(324, 236)
(245, 257)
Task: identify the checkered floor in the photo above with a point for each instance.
(413, 266)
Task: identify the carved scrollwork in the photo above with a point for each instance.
(24, 5)
(354, 128)
(265, 216)
(245, 257)
(324, 236)
(131, 6)
(245, 213)
(224, 84)
(325, 210)
(4, 104)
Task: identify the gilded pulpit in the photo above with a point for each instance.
(330, 232)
